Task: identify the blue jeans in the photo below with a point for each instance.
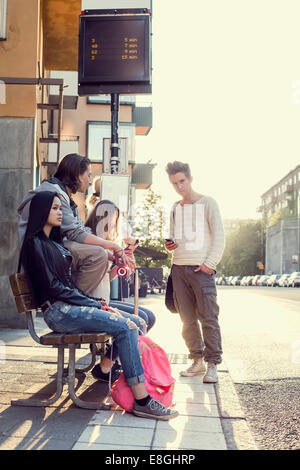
(66, 318)
(144, 313)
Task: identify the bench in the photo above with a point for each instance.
(26, 303)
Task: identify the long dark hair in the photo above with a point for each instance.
(40, 207)
(97, 215)
(69, 169)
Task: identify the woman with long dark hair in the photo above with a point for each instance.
(67, 310)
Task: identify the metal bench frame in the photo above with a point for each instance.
(26, 304)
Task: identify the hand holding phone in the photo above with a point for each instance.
(171, 244)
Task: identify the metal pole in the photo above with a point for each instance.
(114, 160)
(298, 228)
(136, 291)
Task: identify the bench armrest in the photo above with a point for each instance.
(30, 324)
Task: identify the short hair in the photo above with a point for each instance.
(178, 167)
(69, 169)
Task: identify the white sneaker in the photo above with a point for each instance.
(197, 368)
(211, 376)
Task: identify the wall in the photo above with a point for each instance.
(19, 56)
(16, 178)
(281, 245)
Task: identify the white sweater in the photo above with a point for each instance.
(198, 230)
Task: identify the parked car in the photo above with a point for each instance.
(244, 280)
(262, 279)
(249, 281)
(265, 280)
(222, 281)
(255, 280)
(282, 279)
(273, 280)
(285, 282)
(236, 281)
(294, 279)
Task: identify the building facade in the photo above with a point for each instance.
(280, 210)
(43, 119)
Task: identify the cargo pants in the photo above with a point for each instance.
(195, 297)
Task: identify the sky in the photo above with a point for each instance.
(226, 98)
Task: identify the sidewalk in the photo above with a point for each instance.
(210, 415)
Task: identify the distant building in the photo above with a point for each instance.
(283, 195)
(283, 237)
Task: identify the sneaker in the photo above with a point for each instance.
(154, 410)
(211, 376)
(99, 375)
(197, 368)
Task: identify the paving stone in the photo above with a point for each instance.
(100, 434)
(194, 397)
(191, 423)
(121, 418)
(85, 446)
(189, 440)
(197, 387)
(197, 409)
(19, 443)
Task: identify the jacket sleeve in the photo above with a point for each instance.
(43, 279)
(217, 234)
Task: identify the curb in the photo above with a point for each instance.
(234, 423)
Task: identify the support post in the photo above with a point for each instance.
(114, 160)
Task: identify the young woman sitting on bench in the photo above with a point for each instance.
(67, 310)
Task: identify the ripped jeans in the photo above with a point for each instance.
(66, 318)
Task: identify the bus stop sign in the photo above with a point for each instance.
(114, 54)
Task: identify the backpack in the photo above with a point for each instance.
(158, 380)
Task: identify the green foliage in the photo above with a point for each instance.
(244, 248)
(150, 225)
(280, 215)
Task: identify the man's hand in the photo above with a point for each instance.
(171, 246)
(204, 268)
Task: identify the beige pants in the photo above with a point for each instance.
(90, 264)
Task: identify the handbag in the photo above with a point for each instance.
(169, 298)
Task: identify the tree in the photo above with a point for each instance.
(151, 224)
(244, 248)
(280, 215)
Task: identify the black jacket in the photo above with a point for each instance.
(47, 286)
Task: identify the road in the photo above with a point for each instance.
(261, 344)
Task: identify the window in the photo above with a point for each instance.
(3, 13)
(97, 131)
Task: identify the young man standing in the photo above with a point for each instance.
(197, 235)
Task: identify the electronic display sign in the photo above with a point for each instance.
(114, 50)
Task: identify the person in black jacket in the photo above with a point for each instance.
(68, 310)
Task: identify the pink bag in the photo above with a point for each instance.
(157, 371)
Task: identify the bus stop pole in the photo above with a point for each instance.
(114, 159)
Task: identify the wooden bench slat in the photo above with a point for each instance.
(52, 339)
(94, 337)
(25, 302)
(19, 284)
